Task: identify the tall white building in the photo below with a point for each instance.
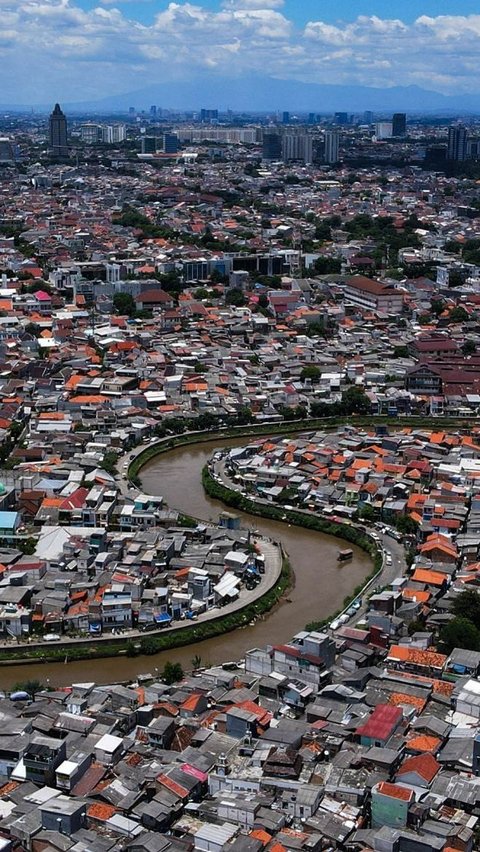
(383, 130)
(332, 145)
(297, 146)
(114, 133)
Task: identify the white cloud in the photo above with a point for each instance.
(75, 54)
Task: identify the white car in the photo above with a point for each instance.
(52, 637)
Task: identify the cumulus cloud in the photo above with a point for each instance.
(77, 54)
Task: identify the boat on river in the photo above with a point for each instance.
(343, 555)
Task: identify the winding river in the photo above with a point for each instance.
(320, 582)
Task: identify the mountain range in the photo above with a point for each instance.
(265, 94)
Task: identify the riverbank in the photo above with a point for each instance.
(307, 520)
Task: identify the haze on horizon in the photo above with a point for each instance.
(83, 50)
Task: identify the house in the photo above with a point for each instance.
(419, 770)
(390, 805)
(380, 726)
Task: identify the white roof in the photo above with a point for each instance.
(109, 743)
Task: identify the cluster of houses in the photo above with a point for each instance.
(84, 581)
(322, 743)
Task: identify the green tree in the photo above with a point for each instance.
(235, 297)
(355, 401)
(467, 605)
(458, 314)
(366, 512)
(459, 633)
(310, 371)
(196, 662)
(109, 462)
(469, 348)
(172, 672)
(406, 524)
(124, 304)
(327, 265)
(31, 686)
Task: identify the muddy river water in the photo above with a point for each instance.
(321, 583)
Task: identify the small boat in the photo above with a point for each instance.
(343, 555)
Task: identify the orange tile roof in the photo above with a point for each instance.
(431, 578)
(101, 811)
(424, 743)
(406, 654)
(424, 765)
(394, 791)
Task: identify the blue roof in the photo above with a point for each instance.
(163, 616)
(8, 520)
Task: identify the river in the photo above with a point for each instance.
(321, 583)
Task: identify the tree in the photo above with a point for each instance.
(459, 633)
(366, 512)
(466, 605)
(172, 672)
(327, 265)
(458, 314)
(124, 304)
(31, 686)
(355, 401)
(109, 462)
(196, 662)
(406, 524)
(33, 328)
(235, 297)
(469, 348)
(311, 372)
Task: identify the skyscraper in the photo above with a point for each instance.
(332, 143)
(457, 148)
(399, 124)
(272, 146)
(57, 127)
(297, 146)
(286, 118)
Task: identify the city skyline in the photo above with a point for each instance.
(86, 49)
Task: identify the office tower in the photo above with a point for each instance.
(297, 146)
(399, 124)
(383, 130)
(208, 115)
(153, 113)
(91, 134)
(170, 143)
(272, 146)
(311, 118)
(341, 118)
(57, 127)
(149, 145)
(368, 116)
(332, 145)
(457, 148)
(7, 153)
(286, 118)
(114, 133)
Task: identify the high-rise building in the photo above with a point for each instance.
(286, 118)
(7, 152)
(170, 143)
(341, 118)
(114, 133)
(457, 148)
(208, 115)
(332, 146)
(153, 113)
(91, 134)
(149, 145)
(368, 116)
(297, 146)
(57, 128)
(272, 146)
(383, 130)
(399, 124)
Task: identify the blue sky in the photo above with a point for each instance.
(302, 11)
(88, 49)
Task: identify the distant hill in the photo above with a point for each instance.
(263, 94)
